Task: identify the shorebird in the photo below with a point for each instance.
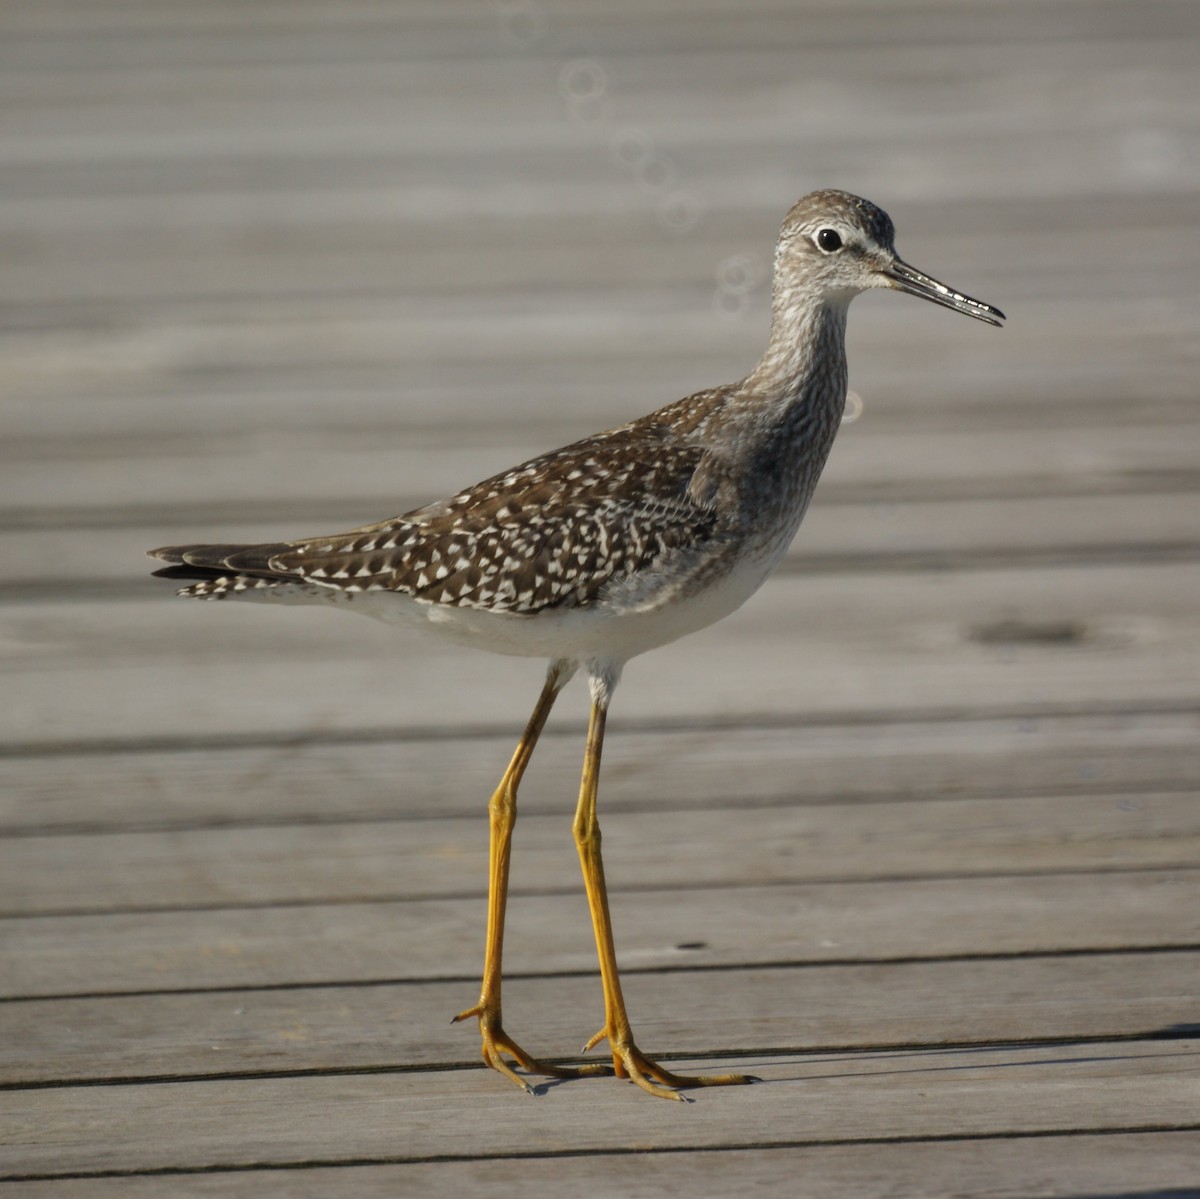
(607, 548)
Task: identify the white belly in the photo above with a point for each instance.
(630, 620)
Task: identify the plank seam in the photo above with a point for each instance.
(661, 888)
(797, 1143)
(1151, 553)
(693, 968)
(615, 806)
(748, 722)
(1184, 1032)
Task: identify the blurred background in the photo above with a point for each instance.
(273, 268)
(283, 267)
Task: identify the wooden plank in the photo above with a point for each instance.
(863, 644)
(247, 247)
(900, 534)
(359, 238)
(623, 23)
(287, 383)
(632, 25)
(529, 112)
(356, 467)
(656, 929)
(158, 246)
(344, 211)
(978, 1092)
(1036, 1167)
(292, 780)
(685, 1012)
(419, 402)
(405, 859)
(648, 766)
(495, 90)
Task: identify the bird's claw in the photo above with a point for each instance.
(630, 1062)
(497, 1042)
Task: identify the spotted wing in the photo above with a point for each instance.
(551, 532)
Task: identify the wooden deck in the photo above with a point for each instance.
(914, 836)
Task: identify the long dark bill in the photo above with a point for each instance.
(909, 279)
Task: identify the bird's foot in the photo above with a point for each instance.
(630, 1062)
(497, 1042)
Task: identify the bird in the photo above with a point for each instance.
(607, 548)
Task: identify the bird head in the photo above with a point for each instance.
(834, 245)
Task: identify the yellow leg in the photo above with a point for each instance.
(502, 813)
(628, 1060)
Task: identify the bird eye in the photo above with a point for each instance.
(829, 240)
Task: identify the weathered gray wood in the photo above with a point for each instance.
(546, 373)
(598, 242)
(534, 400)
(423, 858)
(1119, 1087)
(901, 534)
(701, 926)
(362, 468)
(1035, 1167)
(287, 267)
(839, 644)
(406, 1025)
(428, 772)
